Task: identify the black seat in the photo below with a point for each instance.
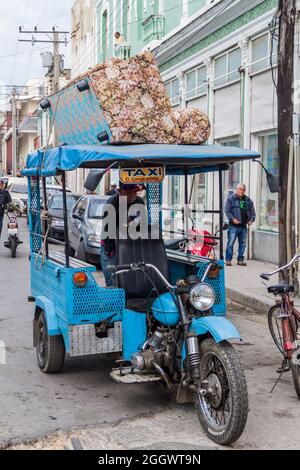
(281, 288)
(139, 288)
(174, 244)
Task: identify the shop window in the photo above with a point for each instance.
(269, 201)
(196, 82)
(263, 48)
(226, 67)
(173, 91)
(234, 175)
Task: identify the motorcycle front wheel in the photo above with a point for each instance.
(223, 409)
(13, 247)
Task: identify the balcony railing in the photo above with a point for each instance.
(122, 51)
(153, 28)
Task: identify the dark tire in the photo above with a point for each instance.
(295, 368)
(223, 414)
(71, 252)
(13, 247)
(81, 254)
(50, 349)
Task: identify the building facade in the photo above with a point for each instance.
(219, 56)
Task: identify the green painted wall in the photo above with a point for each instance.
(196, 5)
(173, 14)
(133, 30)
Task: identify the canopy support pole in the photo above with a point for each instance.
(46, 210)
(221, 216)
(65, 209)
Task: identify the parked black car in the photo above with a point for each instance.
(85, 225)
(55, 207)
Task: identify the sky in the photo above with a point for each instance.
(24, 61)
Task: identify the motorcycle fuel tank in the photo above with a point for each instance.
(165, 310)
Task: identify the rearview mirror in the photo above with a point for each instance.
(93, 179)
(225, 226)
(273, 182)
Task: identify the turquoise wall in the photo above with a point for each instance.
(172, 10)
(196, 5)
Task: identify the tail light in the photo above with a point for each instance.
(80, 279)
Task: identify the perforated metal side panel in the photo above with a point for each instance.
(154, 193)
(34, 216)
(218, 285)
(93, 300)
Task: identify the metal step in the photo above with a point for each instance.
(138, 376)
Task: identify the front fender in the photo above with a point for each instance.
(52, 322)
(219, 327)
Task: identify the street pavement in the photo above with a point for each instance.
(47, 411)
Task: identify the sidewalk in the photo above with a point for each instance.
(244, 286)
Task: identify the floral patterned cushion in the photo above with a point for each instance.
(134, 101)
(194, 126)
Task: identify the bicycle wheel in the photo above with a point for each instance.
(275, 327)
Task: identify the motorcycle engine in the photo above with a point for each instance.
(157, 349)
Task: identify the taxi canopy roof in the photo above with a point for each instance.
(178, 159)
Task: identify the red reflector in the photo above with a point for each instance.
(80, 279)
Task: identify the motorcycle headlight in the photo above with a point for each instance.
(202, 297)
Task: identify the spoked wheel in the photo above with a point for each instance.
(50, 350)
(275, 326)
(223, 409)
(295, 368)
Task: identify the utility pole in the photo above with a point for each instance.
(55, 41)
(287, 19)
(14, 131)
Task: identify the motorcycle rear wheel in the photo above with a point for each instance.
(223, 411)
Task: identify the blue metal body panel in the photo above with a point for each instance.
(51, 318)
(179, 270)
(134, 330)
(75, 305)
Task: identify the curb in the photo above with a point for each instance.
(260, 306)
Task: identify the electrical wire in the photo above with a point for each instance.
(274, 31)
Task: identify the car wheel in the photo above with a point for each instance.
(81, 253)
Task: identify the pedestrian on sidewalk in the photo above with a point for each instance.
(5, 199)
(240, 212)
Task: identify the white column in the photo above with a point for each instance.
(181, 79)
(210, 112)
(185, 11)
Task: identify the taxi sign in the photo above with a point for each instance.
(149, 174)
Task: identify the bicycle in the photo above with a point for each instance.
(284, 322)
